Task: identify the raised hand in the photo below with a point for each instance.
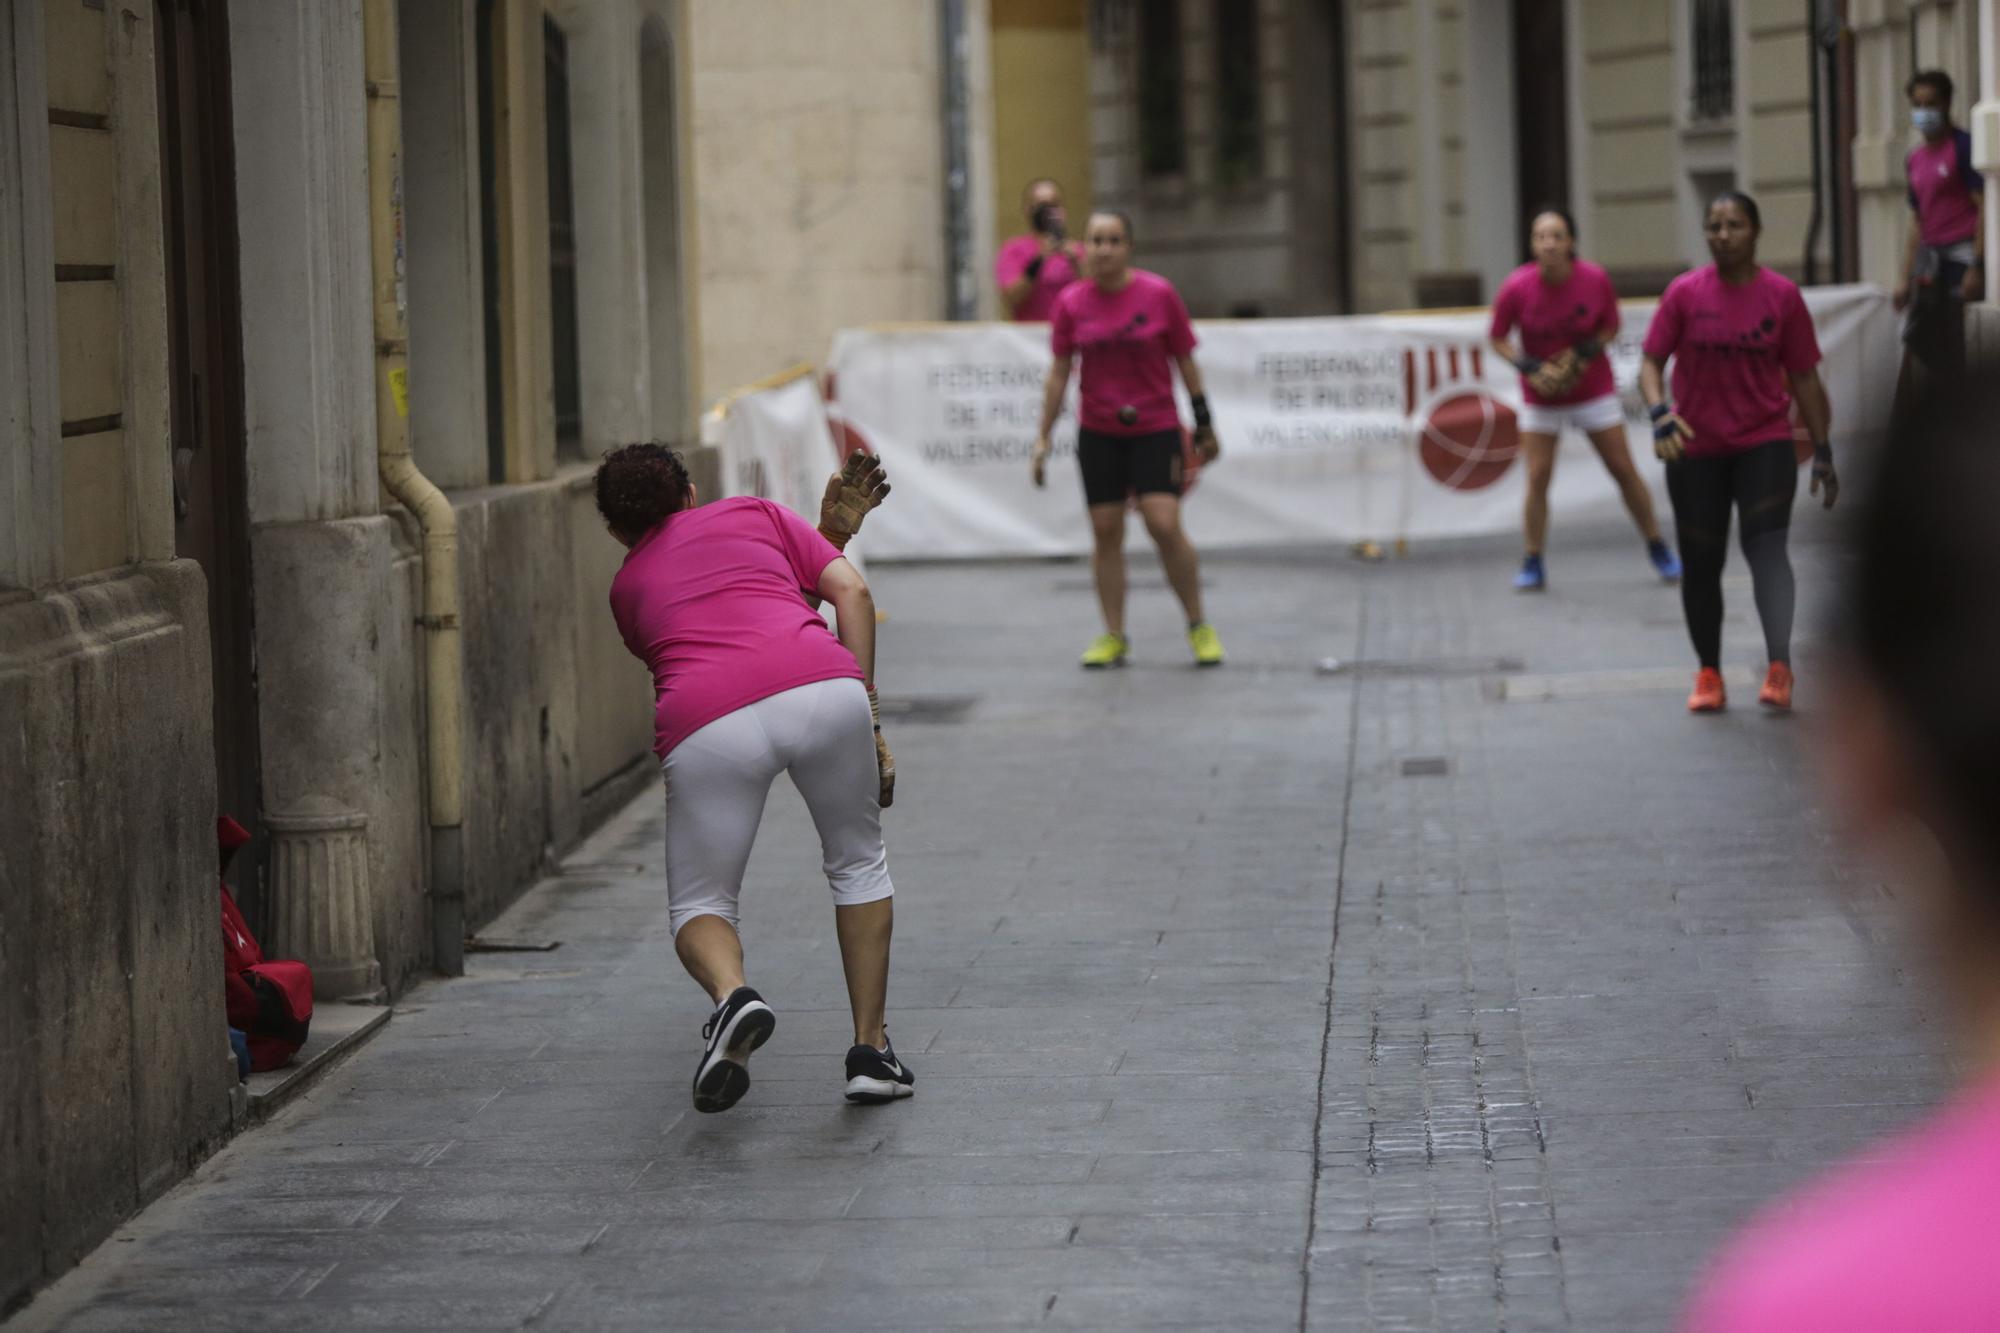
(861, 484)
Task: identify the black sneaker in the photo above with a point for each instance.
(740, 1026)
(877, 1076)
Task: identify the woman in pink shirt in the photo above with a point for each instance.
(718, 602)
(1132, 331)
(1910, 1237)
(1744, 351)
(1566, 311)
(1032, 270)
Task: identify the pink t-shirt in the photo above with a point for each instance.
(1944, 189)
(1551, 318)
(713, 601)
(1733, 348)
(1058, 271)
(1129, 340)
(1907, 1240)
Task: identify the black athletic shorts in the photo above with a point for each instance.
(1118, 466)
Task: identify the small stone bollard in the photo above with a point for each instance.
(322, 912)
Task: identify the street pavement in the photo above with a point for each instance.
(1466, 984)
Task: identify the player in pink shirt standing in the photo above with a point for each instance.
(1944, 262)
(1910, 1237)
(1131, 330)
(1567, 311)
(1033, 270)
(1744, 350)
(719, 603)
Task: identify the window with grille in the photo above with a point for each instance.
(1714, 60)
(1162, 131)
(1239, 109)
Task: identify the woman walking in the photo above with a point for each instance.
(749, 683)
(1744, 351)
(1567, 311)
(1132, 331)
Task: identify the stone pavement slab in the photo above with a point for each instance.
(1259, 998)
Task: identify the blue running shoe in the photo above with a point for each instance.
(1664, 560)
(1531, 578)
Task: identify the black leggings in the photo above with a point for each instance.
(1760, 482)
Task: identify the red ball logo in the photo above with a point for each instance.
(1469, 440)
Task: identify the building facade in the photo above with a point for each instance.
(317, 313)
(1285, 157)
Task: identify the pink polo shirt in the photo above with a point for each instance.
(1733, 348)
(1058, 271)
(713, 601)
(1128, 340)
(1554, 316)
(1908, 1240)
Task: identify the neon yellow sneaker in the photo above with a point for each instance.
(1106, 650)
(1207, 644)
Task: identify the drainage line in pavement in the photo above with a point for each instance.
(1326, 1030)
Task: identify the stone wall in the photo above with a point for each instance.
(818, 176)
(116, 1067)
(554, 705)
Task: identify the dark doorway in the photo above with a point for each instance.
(485, 57)
(562, 243)
(1541, 110)
(1322, 230)
(205, 368)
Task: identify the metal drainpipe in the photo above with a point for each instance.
(444, 769)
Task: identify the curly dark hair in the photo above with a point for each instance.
(639, 485)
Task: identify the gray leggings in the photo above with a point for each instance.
(1759, 484)
(717, 780)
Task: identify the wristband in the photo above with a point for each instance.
(1034, 269)
(1823, 452)
(1658, 410)
(874, 710)
(1199, 402)
(1526, 364)
(1588, 348)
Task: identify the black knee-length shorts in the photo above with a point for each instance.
(1116, 467)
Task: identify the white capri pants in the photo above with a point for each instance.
(718, 777)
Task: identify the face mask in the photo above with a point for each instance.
(1928, 119)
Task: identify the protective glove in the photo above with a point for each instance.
(1206, 446)
(1556, 376)
(1824, 478)
(885, 763)
(859, 486)
(1670, 433)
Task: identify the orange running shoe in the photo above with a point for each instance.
(1708, 696)
(1777, 691)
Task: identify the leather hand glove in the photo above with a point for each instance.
(1670, 433)
(885, 763)
(859, 486)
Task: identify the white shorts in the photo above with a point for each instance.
(717, 779)
(1600, 413)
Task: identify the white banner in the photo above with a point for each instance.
(1333, 430)
(776, 444)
